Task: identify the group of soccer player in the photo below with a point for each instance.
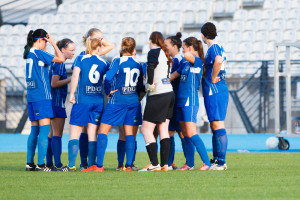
(169, 81)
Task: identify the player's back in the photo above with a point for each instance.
(126, 76)
(93, 68)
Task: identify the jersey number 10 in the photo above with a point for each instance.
(129, 76)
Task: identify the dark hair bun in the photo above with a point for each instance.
(178, 34)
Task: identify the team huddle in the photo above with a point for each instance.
(169, 82)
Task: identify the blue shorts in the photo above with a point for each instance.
(59, 112)
(174, 124)
(40, 110)
(122, 114)
(216, 106)
(82, 114)
(187, 113)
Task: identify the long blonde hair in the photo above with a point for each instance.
(92, 44)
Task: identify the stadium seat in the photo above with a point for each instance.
(172, 28)
(159, 26)
(267, 14)
(18, 30)
(244, 47)
(282, 4)
(189, 17)
(260, 36)
(289, 36)
(240, 15)
(247, 35)
(237, 25)
(294, 14)
(258, 47)
(254, 14)
(135, 17)
(34, 19)
(291, 24)
(64, 8)
(250, 25)
(281, 14)
(231, 6)
(163, 16)
(294, 4)
(269, 4)
(275, 35)
(219, 6)
(149, 16)
(79, 7)
(222, 36)
(5, 30)
(269, 47)
(142, 38)
(264, 25)
(234, 36)
(255, 56)
(224, 25)
(278, 25)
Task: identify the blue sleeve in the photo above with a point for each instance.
(74, 62)
(44, 56)
(58, 69)
(144, 68)
(198, 62)
(77, 62)
(175, 65)
(215, 50)
(181, 66)
(113, 69)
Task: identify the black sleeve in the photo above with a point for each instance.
(152, 62)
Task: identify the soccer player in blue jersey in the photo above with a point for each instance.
(39, 102)
(106, 47)
(187, 99)
(160, 102)
(88, 103)
(173, 44)
(215, 92)
(122, 84)
(59, 83)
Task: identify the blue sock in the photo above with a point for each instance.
(92, 153)
(31, 143)
(129, 147)
(84, 148)
(215, 146)
(49, 156)
(197, 141)
(43, 143)
(172, 151)
(101, 147)
(73, 147)
(121, 151)
(56, 149)
(135, 148)
(189, 152)
(222, 145)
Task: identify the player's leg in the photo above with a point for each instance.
(31, 145)
(151, 146)
(102, 144)
(130, 145)
(92, 146)
(121, 148)
(49, 155)
(172, 149)
(56, 144)
(164, 144)
(44, 129)
(83, 147)
(136, 128)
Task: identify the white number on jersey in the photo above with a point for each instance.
(30, 62)
(94, 75)
(129, 76)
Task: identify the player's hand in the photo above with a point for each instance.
(111, 92)
(150, 88)
(49, 39)
(72, 99)
(215, 80)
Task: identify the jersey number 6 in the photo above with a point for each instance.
(94, 75)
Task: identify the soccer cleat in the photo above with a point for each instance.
(90, 169)
(42, 168)
(164, 168)
(82, 167)
(98, 169)
(213, 162)
(30, 167)
(127, 169)
(150, 167)
(204, 167)
(219, 167)
(55, 169)
(134, 168)
(172, 167)
(185, 167)
(68, 169)
(120, 167)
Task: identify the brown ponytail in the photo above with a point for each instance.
(158, 39)
(92, 44)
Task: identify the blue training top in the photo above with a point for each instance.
(37, 75)
(190, 78)
(208, 87)
(178, 60)
(126, 75)
(81, 54)
(59, 94)
(89, 89)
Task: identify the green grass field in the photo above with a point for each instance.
(250, 176)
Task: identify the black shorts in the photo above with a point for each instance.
(159, 107)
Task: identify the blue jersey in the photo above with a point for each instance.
(81, 54)
(190, 78)
(208, 87)
(144, 68)
(125, 75)
(59, 94)
(89, 89)
(178, 60)
(37, 75)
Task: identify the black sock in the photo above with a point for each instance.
(152, 153)
(164, 151)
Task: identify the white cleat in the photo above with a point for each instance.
(219, 167)
(150, 167)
